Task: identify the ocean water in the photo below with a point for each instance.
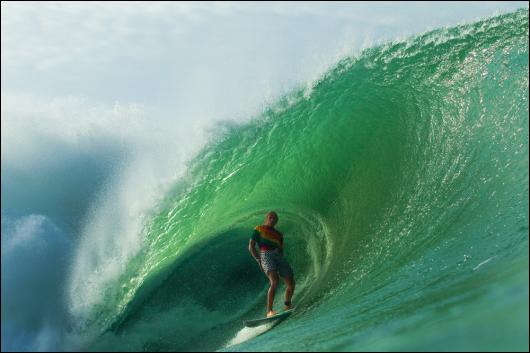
(401, 182)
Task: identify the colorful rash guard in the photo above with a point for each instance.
(267, 238)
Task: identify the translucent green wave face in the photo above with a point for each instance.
(401, 183)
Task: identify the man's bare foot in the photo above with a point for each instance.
(287, 307)
(271, 313)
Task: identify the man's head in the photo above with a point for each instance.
(271, 218)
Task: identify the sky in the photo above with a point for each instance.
(136, 72)
(198, 59)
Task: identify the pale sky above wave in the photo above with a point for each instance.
(198, 59)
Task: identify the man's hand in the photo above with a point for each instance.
(254, 253)
(258, 260)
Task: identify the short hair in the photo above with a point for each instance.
(273, 213)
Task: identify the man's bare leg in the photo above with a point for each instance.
(273, 278)
(289, 290)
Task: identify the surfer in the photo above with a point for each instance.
(271, 259)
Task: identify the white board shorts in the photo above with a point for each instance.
(274, 261)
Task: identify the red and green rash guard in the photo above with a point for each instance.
(267, 238)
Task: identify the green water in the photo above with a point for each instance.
(401, 183)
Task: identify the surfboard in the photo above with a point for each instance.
(276, 318)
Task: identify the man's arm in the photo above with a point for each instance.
(252, 249)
